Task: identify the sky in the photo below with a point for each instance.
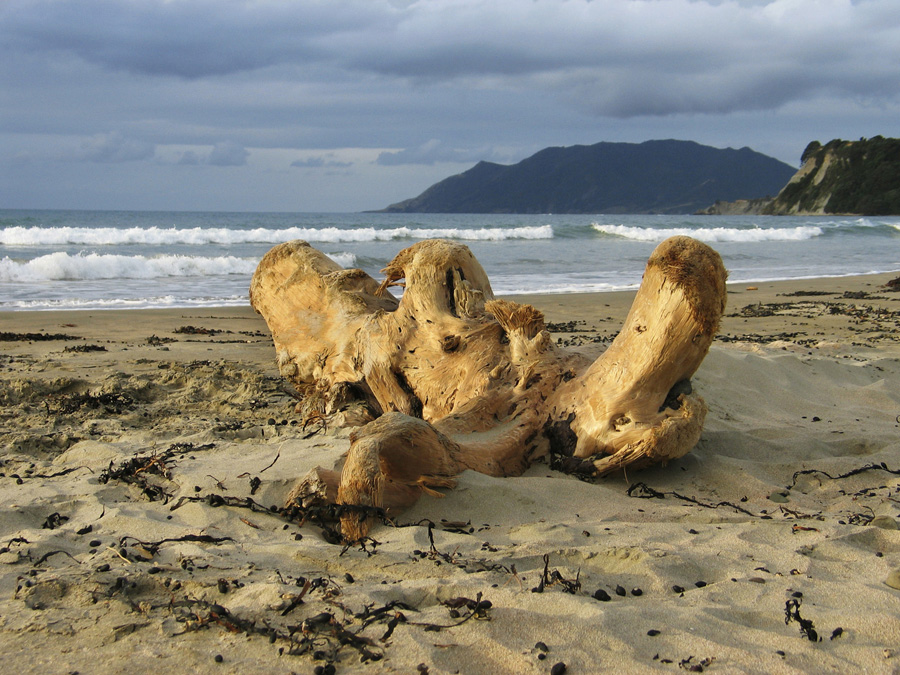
(351, 105)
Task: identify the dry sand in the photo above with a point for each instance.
(139, 458)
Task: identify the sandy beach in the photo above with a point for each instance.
(144, 455)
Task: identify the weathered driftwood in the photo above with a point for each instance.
(454, 379)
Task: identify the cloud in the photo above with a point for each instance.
(114, 148)
(611, 57)
(227, 153)
(319, 163)
(188, 158)
(318, 80)
(433, 152)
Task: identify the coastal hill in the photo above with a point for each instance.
(842, 177)
(665, 176)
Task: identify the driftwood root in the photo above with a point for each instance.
(457, 379)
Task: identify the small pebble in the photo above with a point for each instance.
(558, 669)
(541, 646)
(621, 591)
(652, 632)
(349, 578)
(218, 658)
(884, 522)
(601, 595)
(637, 591)
(678, 589)
(700, 584)
(94, 543)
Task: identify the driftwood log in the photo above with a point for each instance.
(449, 378)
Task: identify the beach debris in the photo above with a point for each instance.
(853, 472)
(194, 330)
(641, 490)
(6, 336)
(692, 666)
(549, 578)
(53, 521)
(541, 649)
(459, 380)
(84, 348)
(115, 402)
(792, 613)
(138, 469)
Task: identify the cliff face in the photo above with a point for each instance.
(653, 177)
(844, 177)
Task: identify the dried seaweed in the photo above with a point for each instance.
(195, 330)
(135, 471)
(549, 578)
(868, 467)
(85, 348)
(792, 613)
(644, 491)
(35, 337)
(153, 546)
(111, 403)
(53, 521)
(49, 554)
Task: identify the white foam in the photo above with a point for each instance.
(343, 259)
(63, 266)
(156, 302)
(712, 234)
(196, 236)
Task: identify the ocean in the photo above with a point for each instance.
(128, 259)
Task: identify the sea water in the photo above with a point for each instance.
(126, 259)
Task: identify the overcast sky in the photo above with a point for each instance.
(347, 105)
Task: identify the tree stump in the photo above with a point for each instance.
(453, 379)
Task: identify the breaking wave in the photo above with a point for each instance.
(155, 302)
(195, 236)
(712, 234)
(63, 266)
(84, 266)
